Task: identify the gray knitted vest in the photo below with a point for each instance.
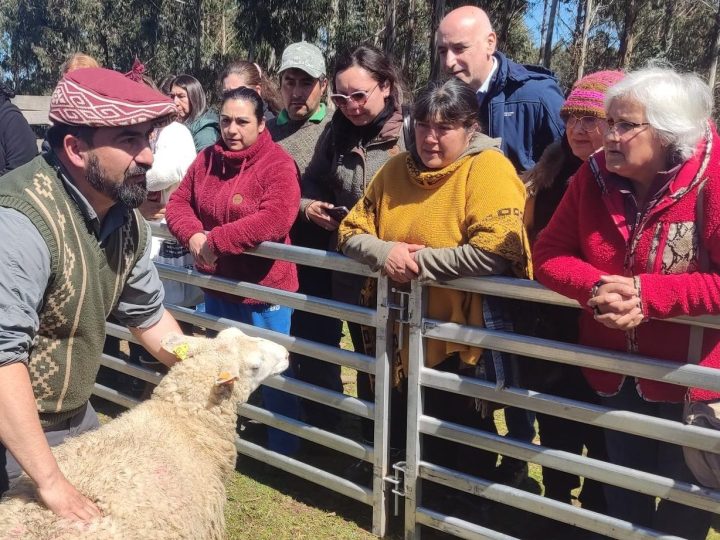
(85, 284)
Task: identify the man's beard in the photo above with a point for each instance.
(131, 194)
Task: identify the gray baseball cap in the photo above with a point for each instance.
(304, 56)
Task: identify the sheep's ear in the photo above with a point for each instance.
(225, 378)
(179, 345)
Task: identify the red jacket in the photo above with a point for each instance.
(242, 198)
(588, 236)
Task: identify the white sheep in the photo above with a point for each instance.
(158, 470)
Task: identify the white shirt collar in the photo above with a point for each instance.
(486, 84)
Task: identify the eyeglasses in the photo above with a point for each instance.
(586, 123)
(359, 97)
(623, 126)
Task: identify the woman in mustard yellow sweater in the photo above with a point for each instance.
(452, 210)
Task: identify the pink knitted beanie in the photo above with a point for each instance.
(588, 94)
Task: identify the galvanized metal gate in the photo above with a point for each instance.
(406, 478)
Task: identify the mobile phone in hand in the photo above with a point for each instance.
(337, 212)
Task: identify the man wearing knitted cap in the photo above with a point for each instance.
(519, 104)
(75, 250)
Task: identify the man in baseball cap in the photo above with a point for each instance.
(297, 128)
(75, 250)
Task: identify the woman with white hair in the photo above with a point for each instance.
(636, 239)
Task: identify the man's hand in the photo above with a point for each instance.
(315, 212)
(22, 435)
(400, 265)
(63, 499)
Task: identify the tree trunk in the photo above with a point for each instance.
(198, 35)
(543, 32)
(584, 38)
(333, 29)
(438, 10)
(547, 55)
(668, 27)
(390, 33)
(223, 33)
(715, 53)
(409, 37)
(628, 36)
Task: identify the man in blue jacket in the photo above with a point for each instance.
(520, 104)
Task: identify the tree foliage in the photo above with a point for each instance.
(201, 36)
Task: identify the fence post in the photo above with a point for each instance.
(415, 396)
(383, 382)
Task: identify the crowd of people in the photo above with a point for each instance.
(606, 195)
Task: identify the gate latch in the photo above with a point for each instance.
(401, 307)
(398, 483)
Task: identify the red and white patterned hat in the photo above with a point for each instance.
(98, 97)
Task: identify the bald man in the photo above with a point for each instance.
(520, 104)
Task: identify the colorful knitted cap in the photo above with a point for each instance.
(588, 94)
(99, 97)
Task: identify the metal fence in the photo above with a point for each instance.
(414, 468)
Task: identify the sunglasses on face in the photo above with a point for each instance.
(359, 97)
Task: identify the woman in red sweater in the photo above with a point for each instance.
(628, 241)
(240, 192)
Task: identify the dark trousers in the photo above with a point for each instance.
(320, 329)
(564, 434)
(656, 457)
(460, 410)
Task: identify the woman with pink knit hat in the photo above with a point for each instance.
(584, 115)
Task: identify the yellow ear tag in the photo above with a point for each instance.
(182, 351)
(225, 377)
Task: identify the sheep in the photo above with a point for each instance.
(158, 470)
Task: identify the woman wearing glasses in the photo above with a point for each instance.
(636, 239)
(452, 209)
(584, 115)
(365, 131)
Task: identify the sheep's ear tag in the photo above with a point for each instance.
(179, 345)
(225, 377)
(181, 351)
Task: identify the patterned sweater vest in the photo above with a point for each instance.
(85, 284)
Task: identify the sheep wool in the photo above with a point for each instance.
(158, 471)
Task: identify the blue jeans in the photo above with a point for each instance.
(652, 456)
(270, 317)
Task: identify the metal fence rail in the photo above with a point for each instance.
(381, 318)
(421, 377)
(417, 470)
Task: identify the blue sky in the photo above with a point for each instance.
(563, 27)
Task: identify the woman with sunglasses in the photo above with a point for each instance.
(636, 239)
(584, 115)
(364, 132)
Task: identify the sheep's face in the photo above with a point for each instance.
(234, 356)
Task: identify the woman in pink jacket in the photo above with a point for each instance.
(238, 193)
(636, 239)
